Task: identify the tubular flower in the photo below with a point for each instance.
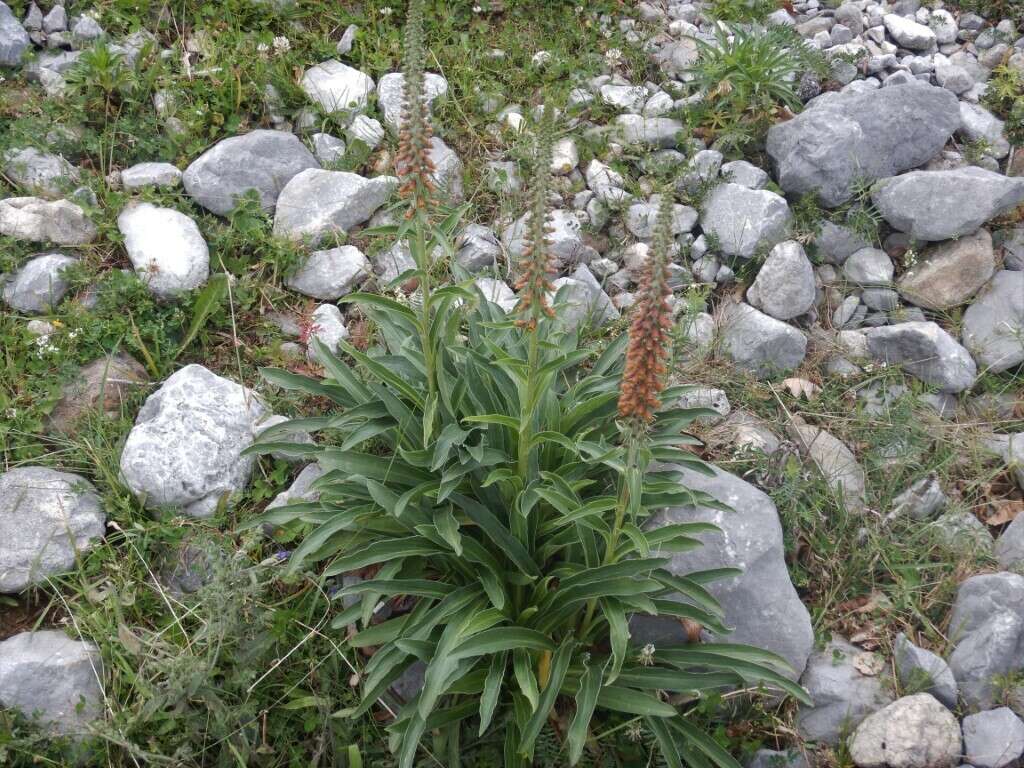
(412, 163)
(535, 265)
(650, 329)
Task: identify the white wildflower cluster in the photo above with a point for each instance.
(280, 45)
(613, 57)
(386, 11)
(45, 347)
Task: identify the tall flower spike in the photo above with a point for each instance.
(412, 163)
(535, 265)
(649, 330)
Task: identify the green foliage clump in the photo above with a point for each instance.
(742, 10)
(748, 79)
(1005, 97)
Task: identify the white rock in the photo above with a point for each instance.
(166, 248)
(39, 285)
(564, 156)
(330, 274)
(335, 86)
(497, 292)
(150, 175)
(316, 203)
(328, 328)
(391, 95)
(60, 222)
(184, 451)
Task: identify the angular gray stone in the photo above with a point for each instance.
(761, 603)
(921, 501)
(759, 343)
(448, 168)
(328, 149)
(926, 352)
(921, 670)
(939, 205)
(913, 732)
(648, 131)
(1009, 548)
(14, 40)
(166, 249)
(582, 301)
(39, 285)
(949, 273)
(784, 287)
(391, 95)
(335, 87)
(769, 758)
(839, 142)
(477, 248)
(150, 175)
(836, 243)
(993, 739)
(46, 519)
(745, 220)
(908, 33)
(869, 266)
(104, 386)
(842, 695)
(39, 173)
(834, 461)
(316, 203)
(328, 328)
(1011, 449)
(264, 161)
(184, 450)
(60, 222)
(565, 239)
(706, 397)
(641, 218)
(745, 174)
(301, 488)
(497, 292)
(993, 326)
(330, 274)
(49, 674)
(978, 124)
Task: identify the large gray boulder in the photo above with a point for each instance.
(759, 343)
(14, 40)
(784, 287)
(745, 220)
(184, 451)
(49, 674)
(949, 273)
(264, 161)
(993, 326)
(47, 518)
(39, 285)
(842, 694)
(913, 732)
(317, 203)
(926, 352)
(854, 136)
(940, 205)
(41, 221)
(166, 249)
(760, 603)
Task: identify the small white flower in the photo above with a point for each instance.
(11, 413)
(478, 9)
(386, 11)
(647, 655)
(540, 58)
(262, 49)
(613, 56)
(282, 45)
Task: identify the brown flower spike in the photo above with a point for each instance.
(412, 163)
(535, 264)
(650, 329)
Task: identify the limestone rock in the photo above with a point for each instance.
(993, 326)
(102, 385)
(913, 732)
(334, 86)
(316, 203)
(31, 218)
(950, 273)
(835, 462)
(926, 352)
(46, 518)
(759, 343)
(330, 274)
(39, 285)
(784, 287)
(745, 220)
(166, 248)
(184, 450)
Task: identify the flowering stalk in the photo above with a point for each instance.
(534, 284)
(644, 376)
(415, 171)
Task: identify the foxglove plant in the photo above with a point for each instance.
(489, 478)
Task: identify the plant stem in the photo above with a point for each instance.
(631, 467)
(526, 416)
(422, 259)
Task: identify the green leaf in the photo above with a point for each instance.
(559, 666)
(497, 533)
(522, 669)
(206, 304)
(448, 527)
(666, 742)
(586, 702)
(494, 418)
(492, 688)
(697, 738)
(633, 702)
(502, 639)
(390, 587)
(618, 635)
(382, 552)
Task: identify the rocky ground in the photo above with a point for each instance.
(183, 201)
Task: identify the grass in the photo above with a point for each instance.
(198, 680)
